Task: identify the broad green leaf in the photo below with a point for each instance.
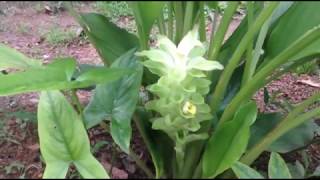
(297, 170)
(90, 168)
(110, 40)
(232, 42)
(57, 169)
(117, 101)
(301, 17)
(11, 58)
(295, 138)
(56, 76)
(277, 168)
(63, 139)
(229, 141)
(84, 68)
(243, 171)
(145, 14)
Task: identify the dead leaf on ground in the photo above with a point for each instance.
(309, 82)
(34, 147)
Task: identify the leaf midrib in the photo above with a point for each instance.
(55, 117)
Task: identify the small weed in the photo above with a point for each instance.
(98, 146)
(23, 28)
(113, 9)
(311, 67)
(57, 36)
(39, 7)
(2, 27)
(16, 166)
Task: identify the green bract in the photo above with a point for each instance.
(180, 88)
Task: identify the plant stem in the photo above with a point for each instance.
(250, 68)
(215, 44)
(284, 126)
(113, 157)
(234, 61)
(141, 164)
(187, 25)
(179, 20)
(170, 21)
(197, 172)
(142, 38)
(76, 101)
(135, 157)
(261, 79)
(202, 24)
(249, 59)
(161, 25)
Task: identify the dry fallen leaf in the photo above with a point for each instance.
(309, 82)
(34, 147)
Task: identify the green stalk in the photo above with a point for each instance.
(202, 24)
(141, 164)
(198, 171)
(234, 61)
(215, 44)
(257, 51)
(187, 25)
(249, 59)
(113, 157)
(291, 121)
(261, 79)
(142, 38)
(170, 21)
(179, 20)
(76, 101)
(135, 157)
(161, 25)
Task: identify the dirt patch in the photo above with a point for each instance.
(24, 29)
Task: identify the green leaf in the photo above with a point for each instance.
(63, 139)
(301, 17)
(160, 158)
(243, 171)
(117, 101)
(11, 58)
(295, 138)
(56, 169)
(316, 173)
(56, 76)
(212, 4)
(277, 167)
(229, 141)
(109, 40)
(145, 14)
(232, 42)
(297, 170)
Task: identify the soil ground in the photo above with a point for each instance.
(23, 27)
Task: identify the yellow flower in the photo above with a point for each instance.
(189, 108)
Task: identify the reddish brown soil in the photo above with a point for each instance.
(22, 146)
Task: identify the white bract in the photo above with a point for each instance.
(180, 90)
(178, 60)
